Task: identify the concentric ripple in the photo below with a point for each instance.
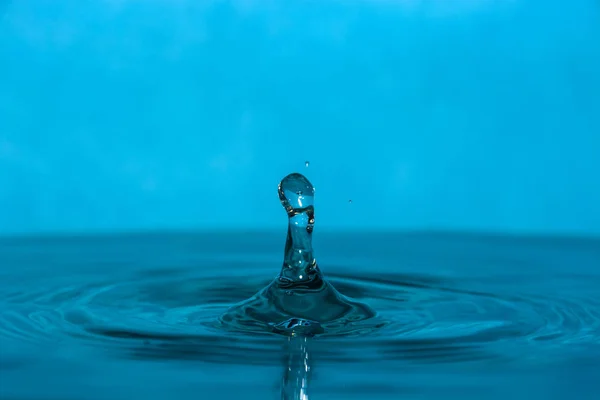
(420, 319)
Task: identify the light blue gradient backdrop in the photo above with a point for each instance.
(454, 114)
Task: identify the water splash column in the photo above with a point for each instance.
(300, 301)
(297, 197)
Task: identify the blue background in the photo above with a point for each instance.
(183, 114)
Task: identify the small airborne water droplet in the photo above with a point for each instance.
(350, 201)
(306, 163)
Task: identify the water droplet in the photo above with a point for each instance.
(350, 201)
(306, 163)
(296, 193)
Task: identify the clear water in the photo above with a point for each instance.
(300, 301)
(137, 317)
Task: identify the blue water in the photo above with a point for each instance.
(453, 115)
(137, 317)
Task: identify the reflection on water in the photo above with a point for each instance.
(296, 375)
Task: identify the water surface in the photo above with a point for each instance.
(458, 316)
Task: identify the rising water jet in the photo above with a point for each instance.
(300, 301)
